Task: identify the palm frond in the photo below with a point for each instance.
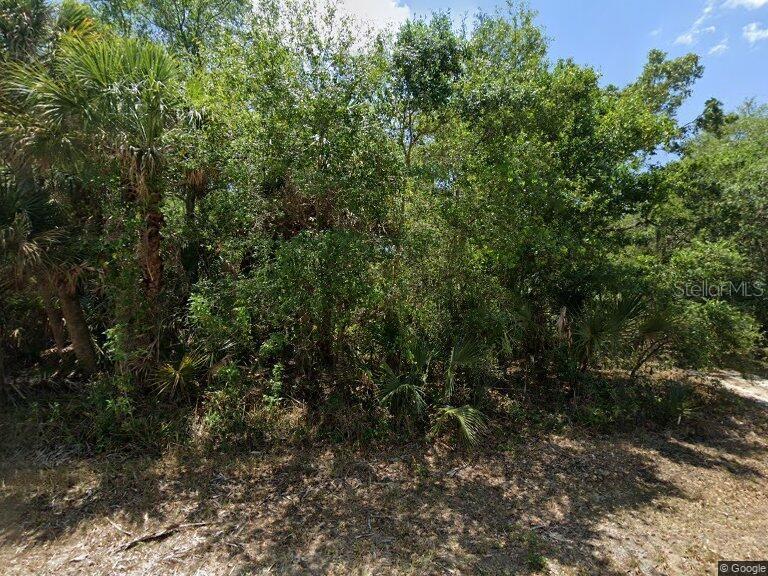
(174, 380)
(46, 115)
(466, 421)
(25, 253)
(465, 353)
(24, 26)
(656, 324)
(603, 322)
(421, 356)
(403, 395)
(75, 18)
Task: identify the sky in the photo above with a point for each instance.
(614, 37)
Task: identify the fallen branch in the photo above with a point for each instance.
(116, 525)
(162, 534)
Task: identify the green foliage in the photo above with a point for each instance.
(185, 25)
(111, 408)
(273, 395)
(466, 353)
(218, 324)
(675, 403)
(714, 119)
(22, 26)
(665, 84)
(258, 206)
(606, 406)
(465, 421)
(403, 394)
(534, 558)
(427, 60)
(713, 332)
(180, 380)
(603, 324)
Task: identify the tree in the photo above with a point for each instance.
(33, 251)
(722, 183)
(185, 26)
(119, 94)
(713, 119)
(665, 83)
(427, 62)
(369, 223)
(35, 242)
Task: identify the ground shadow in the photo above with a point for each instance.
(407, 509)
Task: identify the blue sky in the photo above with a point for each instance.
(614, 36)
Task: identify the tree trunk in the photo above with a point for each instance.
(55, 321)
(146, 183)
(195, 185)
(77, 327)
(2, 362)
(152, 259)
(654, 349)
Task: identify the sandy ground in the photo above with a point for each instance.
(645, 503)
(746, 385)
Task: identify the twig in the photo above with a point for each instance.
(116, 525)
(453, 472)
(162, 534)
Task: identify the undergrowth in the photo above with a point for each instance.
(111, 414)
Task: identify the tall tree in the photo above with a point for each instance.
(186, 26)
(33, 252)
(36, 240)
(119, 94)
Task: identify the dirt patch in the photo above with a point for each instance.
(747, 385)
(645, 503)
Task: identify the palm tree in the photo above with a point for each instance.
(31, 34)
(21, 253)
(29, 28)
(120, 91)
(101, 96)
(24, 25)
(33, 253)
(98, 92)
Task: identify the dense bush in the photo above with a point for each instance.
(272, 211)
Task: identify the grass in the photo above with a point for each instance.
(534, 559)
(109, 416)
(565, 501)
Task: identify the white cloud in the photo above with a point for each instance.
(698, 28)
(755, 32)
(748, 4)
(719, 48)
(655, 32)
(379, 13)
(693, 34)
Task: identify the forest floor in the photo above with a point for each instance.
(643, 503)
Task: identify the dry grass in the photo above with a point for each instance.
(623, 504)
